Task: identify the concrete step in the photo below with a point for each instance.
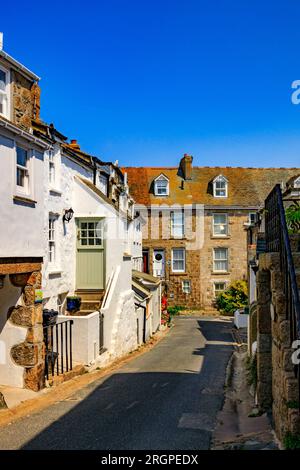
(82, 313)
(90, 294)
(90, 305)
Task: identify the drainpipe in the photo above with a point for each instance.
(145, 319)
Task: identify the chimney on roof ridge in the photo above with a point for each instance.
(74, 144)
(186, 165)
(1, 41)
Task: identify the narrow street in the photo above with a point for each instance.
(167, 398)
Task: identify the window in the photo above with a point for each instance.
(297, 183)
(103, 183)
(4, 83)
(186, 286)
(22, 169)
(220, 185)
(252, 218)
(177, 224)
(220, 225)
(52, 240)
(161, 186)
(221, 259)
(178, 260)
(219, 287)
(52, 172)
(91, 233)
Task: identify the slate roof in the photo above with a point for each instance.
(247, 187)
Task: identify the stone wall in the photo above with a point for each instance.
(27, 315)
(199, 257)
(277, 387)
(25, 100)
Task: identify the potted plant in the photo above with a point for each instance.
(73, 303)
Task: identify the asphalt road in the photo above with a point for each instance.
(167, 398)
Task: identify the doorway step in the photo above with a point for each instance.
(91, 300)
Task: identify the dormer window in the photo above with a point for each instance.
(220, 185)
(4, 95)
(161, 186)
(297, 183)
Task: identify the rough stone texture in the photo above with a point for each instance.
(29, 295)
(25, 354)
(277, 386)
(26, 316)
(34, 378)
(3, 404)
(199, 255)
(35, 280)
(35, 334)
(26, 100)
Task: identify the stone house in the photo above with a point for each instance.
(195, 237)
(22, 214)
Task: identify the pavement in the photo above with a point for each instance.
(166, 398)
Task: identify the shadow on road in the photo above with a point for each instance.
(144, 410)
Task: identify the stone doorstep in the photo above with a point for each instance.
(14, 396)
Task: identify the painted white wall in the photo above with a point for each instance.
(85, 334)
(10, 335)
(24, 225)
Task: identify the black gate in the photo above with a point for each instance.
(58, 348)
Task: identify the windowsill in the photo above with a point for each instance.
(222, 237)
(25, 199)
(55, 191)
(178, 273)
(221, 273)
(53, 272)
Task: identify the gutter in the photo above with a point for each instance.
(19, 66)
(16, 130)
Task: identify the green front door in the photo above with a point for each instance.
(90, 254)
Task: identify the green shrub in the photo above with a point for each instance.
(292, 215)
(291, 441)
(175, 310)
(236, 296)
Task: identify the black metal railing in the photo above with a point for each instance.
(58, 348)
(277, 240)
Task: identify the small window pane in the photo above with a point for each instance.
(84, 241)
(21, 156)
(2, 80)
(84, 225)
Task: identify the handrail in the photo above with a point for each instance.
(277, 240)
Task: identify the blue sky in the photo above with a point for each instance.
(146, 81)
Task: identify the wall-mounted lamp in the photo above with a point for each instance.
(68, 215)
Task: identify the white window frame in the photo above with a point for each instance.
(27, 188)
(52, 239)
(219, 282)
(214, 224)
(296, 183)
(183, 259)
(156, 183)
(216, 260)
(221, 179)
(5, 94)
(101, 179)
(52, 168)
(185, 289)
(177, 224)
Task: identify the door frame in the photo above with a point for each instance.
(103, 247)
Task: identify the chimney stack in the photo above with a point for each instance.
(1, 41)
(74, 144)
(186, 165)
